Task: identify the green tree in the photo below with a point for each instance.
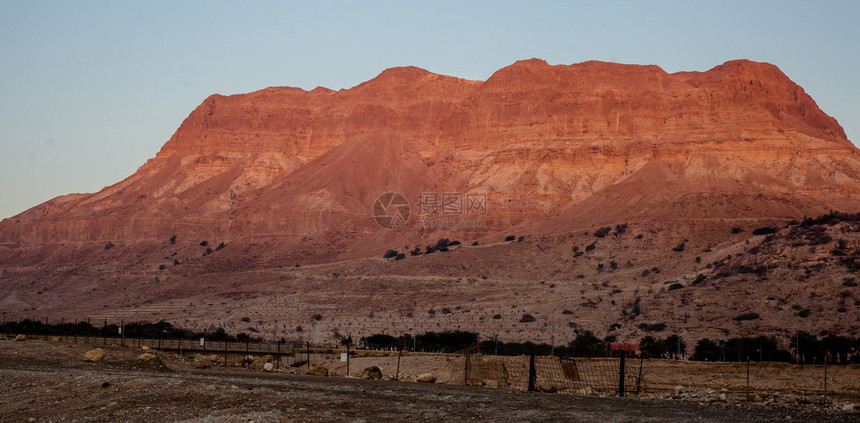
(651, 347)
(707, 350)
(674, 346)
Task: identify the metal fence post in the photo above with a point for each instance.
(621, 374)
(825, 376)
(466, 370)
(532, 372)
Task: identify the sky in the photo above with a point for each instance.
(89, 90)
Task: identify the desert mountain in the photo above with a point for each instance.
(285, 177)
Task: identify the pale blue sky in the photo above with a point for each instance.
(89, 90)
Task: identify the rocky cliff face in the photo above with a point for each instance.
(548, 145)
(262, 203)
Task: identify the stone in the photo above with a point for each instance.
(145, 348)
(426, 378)
(95, 355)
(55, 339)
(202, 362)
(722, 397)
(21, 338)
(848, 407)
(318, 371)
(371, 372)
(146, 357)
(268, 367)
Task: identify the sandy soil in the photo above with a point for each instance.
(45, 381)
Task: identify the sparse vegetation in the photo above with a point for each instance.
(746, 316)
(510, 238)
(602, 232)
(527, 318)
(767, 230)
(652, 327)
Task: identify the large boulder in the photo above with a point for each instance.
(21, 338)
(202, 362)
(371, 372)
(95, 355)
(318, 371)
(426, 378)
(146, 357)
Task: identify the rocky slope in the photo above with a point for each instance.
(284, 176)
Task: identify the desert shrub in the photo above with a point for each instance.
(416, 251)
(849, 282)
(602, 232)
(109, 245)
(599, 267)
(399, 256)
(652, 327)
(510, 238)
(246, 319)
(389, 254)
(737, 230)
(220, 246)
(804, 313)
(680, 247)
(317, 317)
(521, 238)
(613, 264)
(699, 279)
(746, 316)
(173, 240)
(475, 243)
(591, 247)
(527, 318)
(162, 266)
(497, 316)
(620, 229)
(675, 286)
(566, 311)
(176, 262)
(204, 243)
(767, 230)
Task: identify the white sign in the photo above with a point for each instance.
(202, 341)
(342, 356)
(120, 330)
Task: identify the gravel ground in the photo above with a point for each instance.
(44, 381)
